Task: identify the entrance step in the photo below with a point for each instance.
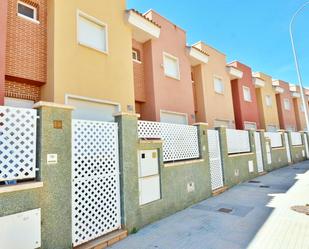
(219, 191)
(262, 173)
(105, 241)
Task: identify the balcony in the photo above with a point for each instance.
(143, 28)
(234, 72)
(197, 56)
(258, 82)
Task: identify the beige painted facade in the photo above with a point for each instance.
(212, 107)
(79, 70)
(268, 112)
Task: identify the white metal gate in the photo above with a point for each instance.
(306, 145)
(95, 175)
(287, 145)
(215, 159)
(258, 150)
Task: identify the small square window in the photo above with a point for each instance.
(247, 94)
(287, 105)
(268, 100)
(92, 32)
(218, 85)
(171, 66)
(27, 11)
(136, 56)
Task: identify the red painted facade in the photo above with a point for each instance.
(3, 31)
(244, 111)
(287, 118)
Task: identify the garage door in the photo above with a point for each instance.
(18, 103)
(93, 110)
(174, 118)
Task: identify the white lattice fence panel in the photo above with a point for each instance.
(296, 138)
(96, 192)
(148, 129)
(17, 143)
(214, 153)
(237, 141)
(180, 142)
(275, 139)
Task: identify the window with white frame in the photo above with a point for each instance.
(92, 32)
(27, 11)
(136, 56)
(171, 66)
(247, 94)
(287, 104)
(218, 85)
(268, 100)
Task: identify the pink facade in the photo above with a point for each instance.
(245, 110)
(155, 92)
(3, 31)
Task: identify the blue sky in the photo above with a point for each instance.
(253, 32)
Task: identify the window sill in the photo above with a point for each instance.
(136, 61)
(28, 18)
(183, 163)
(172, 77)
(241, 154)
(92, 48)
(20, 187)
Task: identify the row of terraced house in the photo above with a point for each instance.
(110, 121)
(106, 60)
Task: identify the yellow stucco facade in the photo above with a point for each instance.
(75, 69)
(212, 107)
(268, 112)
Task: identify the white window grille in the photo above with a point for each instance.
(287, 104)
(180, 142)
(275, 139)
(237, 141)
(171, 66)
(92, 32)
(268, 100)
(218, 85)
(247, 94)
(296, 138)
(17, 143)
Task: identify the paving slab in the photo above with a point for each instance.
(254, 215)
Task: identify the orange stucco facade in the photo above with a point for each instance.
(212, 107)
(155, 92)
(266, 100)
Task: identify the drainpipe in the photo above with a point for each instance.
(3, 28)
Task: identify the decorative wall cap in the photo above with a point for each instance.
(117, 114)
(51, 104)
(200, 123)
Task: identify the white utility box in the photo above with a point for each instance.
(21, 231)
(149, 176)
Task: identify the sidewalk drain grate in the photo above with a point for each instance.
(301, 209)
(264, 186)
(254, 181)
(225, 210)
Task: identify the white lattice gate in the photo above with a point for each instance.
(215, 161)
(95, 173)
(287, 145)
(258, 150)
(306, 145)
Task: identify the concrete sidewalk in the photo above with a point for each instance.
(255, 215)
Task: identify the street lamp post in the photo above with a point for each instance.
(305, 105)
